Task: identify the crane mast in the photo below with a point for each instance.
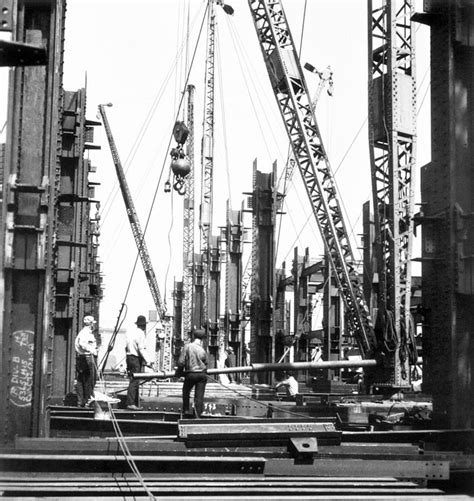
(188, 224)
(392, 128)
(133, 219)
(207, 160)
(292, 96)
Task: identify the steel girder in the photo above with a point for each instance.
(296, 109)
(262, 281)
(392, 128)
(233, 276)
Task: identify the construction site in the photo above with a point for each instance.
(268, 249)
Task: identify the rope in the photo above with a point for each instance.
(303, 23)
(123, 443)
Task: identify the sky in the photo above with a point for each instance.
(133, 54)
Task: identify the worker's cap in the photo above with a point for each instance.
(199, 333)
(230, 349)
(141, 321)
(89, 320)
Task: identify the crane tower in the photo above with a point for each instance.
(392, 128)
(294, 102)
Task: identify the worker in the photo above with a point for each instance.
(316, 354)
(230, 362)
(290, 384)
(86, 362)
(137, 358)
(221, 363)
(193, 360)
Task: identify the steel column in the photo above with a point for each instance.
(28, 224)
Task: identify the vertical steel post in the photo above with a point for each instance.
(447, 218)
(31, 184)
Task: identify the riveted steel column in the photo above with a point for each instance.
(28, 224)
(447, 218)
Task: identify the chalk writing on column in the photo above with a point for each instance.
(21, 380)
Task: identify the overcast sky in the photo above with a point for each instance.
(132, 54)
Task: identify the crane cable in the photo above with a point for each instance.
(288, 155)
(146, 123)
(224, 121)
(243, 60)
(114, 334)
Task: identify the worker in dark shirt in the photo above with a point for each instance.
(193, 362)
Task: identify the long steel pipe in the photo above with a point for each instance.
(295, 366)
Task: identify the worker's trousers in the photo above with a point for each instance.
(197, 380)
(134, 364)
(85, 377)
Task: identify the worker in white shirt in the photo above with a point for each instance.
(137, 358)
(289, 383)
(86, 359)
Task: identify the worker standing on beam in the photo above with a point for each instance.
(193, 362)
(137, 357)
(86, 353)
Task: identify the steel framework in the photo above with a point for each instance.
(296, 109)
(392, 128)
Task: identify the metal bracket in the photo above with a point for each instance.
(303, 449)
(6, 15)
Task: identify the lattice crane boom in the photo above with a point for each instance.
(296, 109)
(133, 219)
(207, 157)
(188, 224)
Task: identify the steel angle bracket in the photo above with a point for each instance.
(21, 54)
(303, 449)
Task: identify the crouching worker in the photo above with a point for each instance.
(289, 383)
(193, 363)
